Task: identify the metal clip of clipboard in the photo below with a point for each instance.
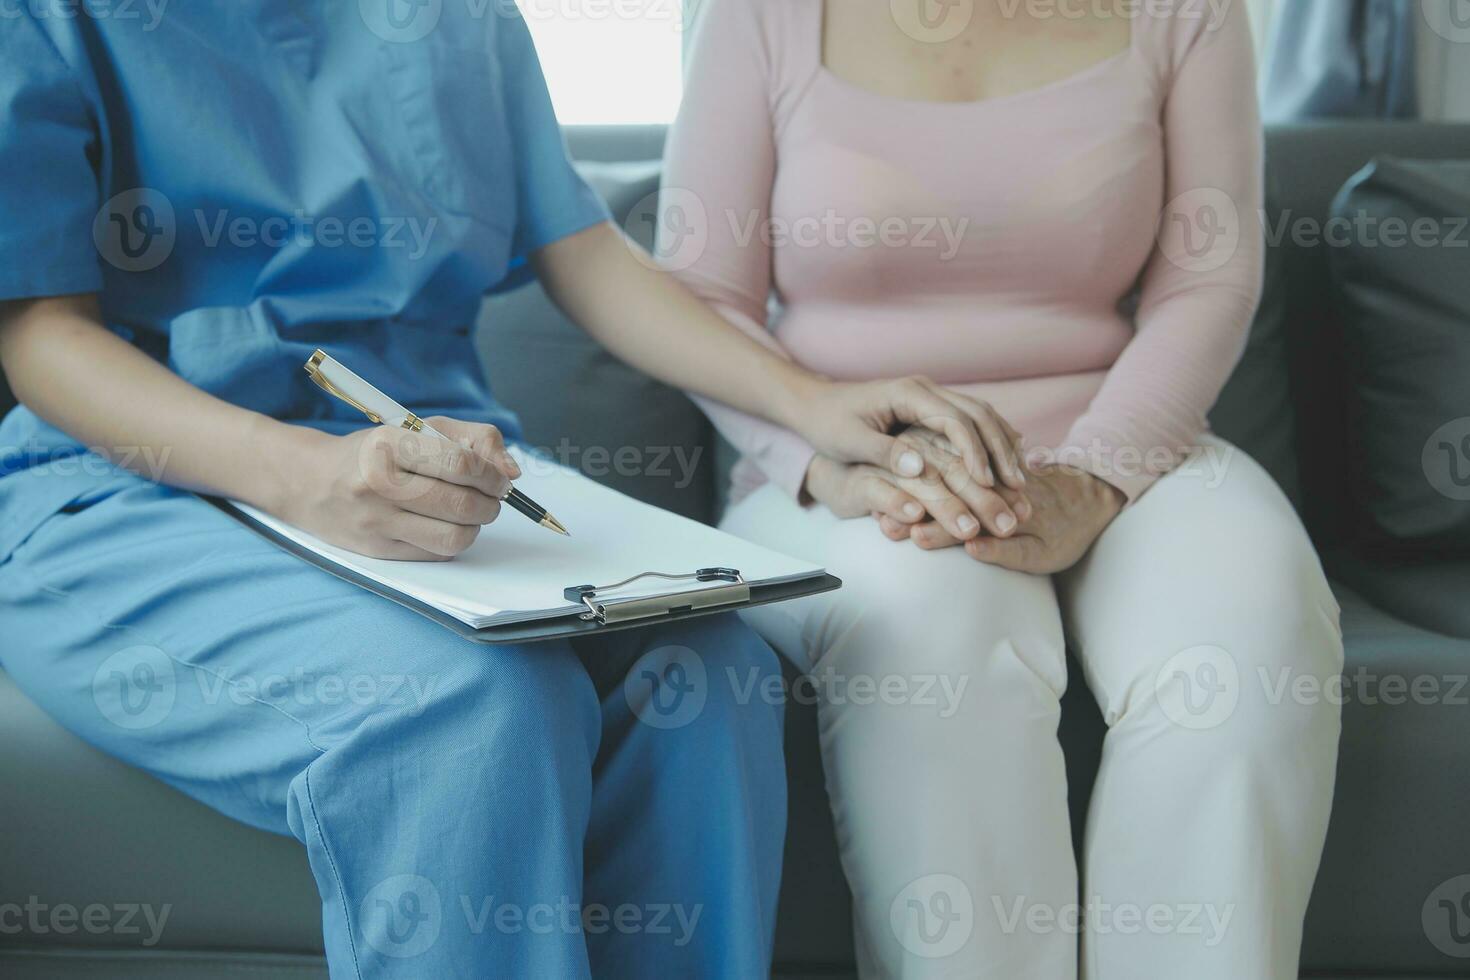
(606, 609)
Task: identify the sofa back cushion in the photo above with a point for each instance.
(1403, 284)
(1287, 403)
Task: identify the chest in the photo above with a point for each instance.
(274, 108)
(1052, 190)
(298, 152)
(967, 50)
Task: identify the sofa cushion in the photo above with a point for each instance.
(581, 405)
(1306, 166)
(1433, 594)
(1404, 294)
(78, 828)
(1399, 836)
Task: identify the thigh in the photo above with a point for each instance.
(1210, 576)
(901, 610)
(157, 628)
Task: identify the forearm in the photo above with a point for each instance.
(77, 375)
(651, 321)
(779, 453)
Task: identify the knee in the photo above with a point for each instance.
(1269, 699)
(463, 694)
(736, 675)
(996, 632)
(726, 643)
(1293, 697)
(486, 724)
(1280, 628)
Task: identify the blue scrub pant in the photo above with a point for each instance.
(613, 807)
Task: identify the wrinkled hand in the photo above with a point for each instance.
(944, 491)
(1070, 509)
(855, 423)
(390, 493)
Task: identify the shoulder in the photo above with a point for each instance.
(1171, 32)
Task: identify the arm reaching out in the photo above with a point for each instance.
(647, 318)
(381, 491)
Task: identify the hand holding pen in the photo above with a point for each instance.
(407, 488)
(336, 379)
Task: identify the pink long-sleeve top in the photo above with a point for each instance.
(1086, 256)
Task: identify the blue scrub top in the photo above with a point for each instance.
(244, 182)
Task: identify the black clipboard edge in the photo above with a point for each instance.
(560, 627)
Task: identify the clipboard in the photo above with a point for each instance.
(701, 592)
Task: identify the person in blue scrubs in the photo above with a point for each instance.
(190, 206)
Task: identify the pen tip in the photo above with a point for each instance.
(551, 522)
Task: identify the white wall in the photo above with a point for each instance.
(1444, 59)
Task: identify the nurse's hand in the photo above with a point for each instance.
(858, 423)
(944, 493)
(390, 493)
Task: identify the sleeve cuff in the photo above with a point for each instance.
(581, 212)
(1132, 486)
(785, 464)
(36, 279)
(1115, 463)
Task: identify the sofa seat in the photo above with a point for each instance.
(109, 834)
(1434, 594)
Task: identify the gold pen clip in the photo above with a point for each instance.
(314, 368)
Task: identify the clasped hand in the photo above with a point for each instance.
(1036, 519)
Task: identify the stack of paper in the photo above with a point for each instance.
(516, 571)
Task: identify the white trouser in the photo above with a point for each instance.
(1209, 637)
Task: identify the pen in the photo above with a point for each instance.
(336, 379)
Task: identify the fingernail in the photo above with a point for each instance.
(1023, 510)
(912, 511)
(513, 466)
(988, 475)
(968, 524)
(1005, 523)
(910, 464)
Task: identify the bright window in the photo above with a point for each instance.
(609, 62)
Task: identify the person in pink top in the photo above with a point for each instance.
(1053, 210)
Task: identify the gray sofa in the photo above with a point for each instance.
(77, 828)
